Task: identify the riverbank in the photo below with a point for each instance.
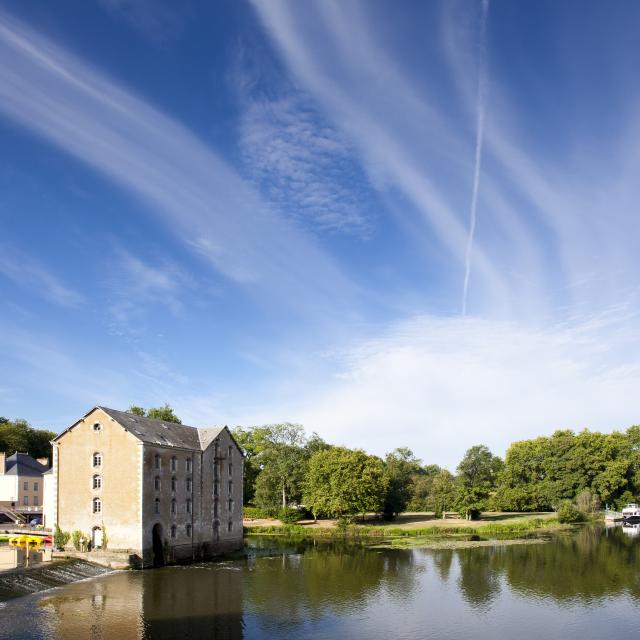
(424, 531)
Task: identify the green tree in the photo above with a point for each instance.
(279, 482)
(401, 468)
(478, 474)
(280, 457)
(251, 467)
(344, 482)
(443, 492)
(18, 435)
(164, 413)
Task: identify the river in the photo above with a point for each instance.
(583, 585)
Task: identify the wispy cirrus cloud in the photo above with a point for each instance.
(139, 287)
(182, 181)
(333, 51)
(546, 217)
(303, 164)
(31, 275)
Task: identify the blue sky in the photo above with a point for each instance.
(267, 211)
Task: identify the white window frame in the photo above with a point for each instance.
(97, 456)
(96, 506)
(98, 477)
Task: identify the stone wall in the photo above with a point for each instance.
(120, 515)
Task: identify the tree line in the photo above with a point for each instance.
(285, 469)
(19, 436)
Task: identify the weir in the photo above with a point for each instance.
(23, 582)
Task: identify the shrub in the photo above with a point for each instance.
(60, 538)
(289, 515)
(568, 513)
(253, 513)
(75, 539)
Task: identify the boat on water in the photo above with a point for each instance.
(631, 513)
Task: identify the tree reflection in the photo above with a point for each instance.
(586, 566)
(322, 580)
(479, 580)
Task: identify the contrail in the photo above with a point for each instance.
(482, 86)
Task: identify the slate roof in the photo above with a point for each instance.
(161, 433)
(22, 464)
(156, 431)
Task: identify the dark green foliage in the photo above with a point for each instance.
(342, 482)
(568, 513)
(255, 513)
(164, 413)
(290, 515)
(478, 474)
(401, 469)
(18, 435)
(540, 473)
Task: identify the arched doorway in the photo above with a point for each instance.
(96, 538)
(158, 549)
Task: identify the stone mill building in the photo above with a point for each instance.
(157, 490)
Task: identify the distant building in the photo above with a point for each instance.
(21, 486)
(158, 490)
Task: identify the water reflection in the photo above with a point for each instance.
(631, 530)
(479, 580)
(584, 583)
(185, 602)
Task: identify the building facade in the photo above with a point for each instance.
(22, 484)
(157, 490)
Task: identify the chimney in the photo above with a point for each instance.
(43, 461)
(3, 457)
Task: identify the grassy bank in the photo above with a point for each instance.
(469, 533)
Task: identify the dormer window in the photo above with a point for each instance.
(97, 460)
(97, 426)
